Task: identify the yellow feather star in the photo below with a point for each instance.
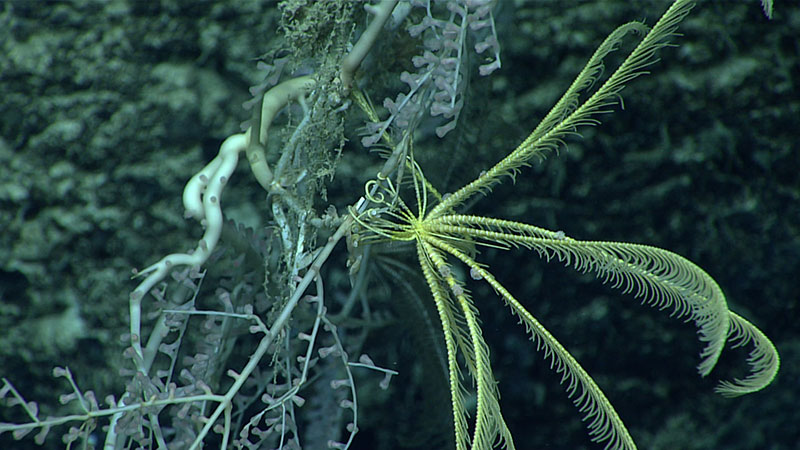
(660, 278)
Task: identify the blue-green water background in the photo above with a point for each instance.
(107, 108)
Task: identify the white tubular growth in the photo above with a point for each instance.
(201, 197)
(274, 101)
(382, 11)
